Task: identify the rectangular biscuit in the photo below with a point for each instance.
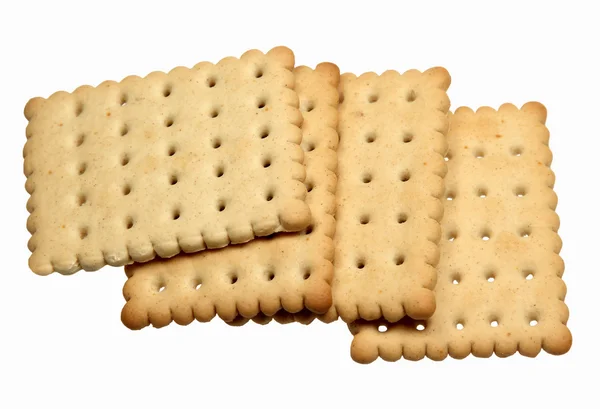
(499, 288)
(289, 271)
(391, 167)
(193, 159)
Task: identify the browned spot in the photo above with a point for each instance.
(49, 172)
(466, 147)
(425, 163)
(150, 164)
(108, 114)
(508, 334)
(266, 109)
(508, 244)
(60, 124)
(498, 135)
(63, 226)
(358, 113)
(539, 163)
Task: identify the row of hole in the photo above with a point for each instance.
(486, 235)
(219, 170)
(370, 137)
(261, 103)
(211, 82)
(221, 205)
(480, 153)
(233, 278)
(404, 177)
(270, 276)
(169, 121)
(216, 143)
(82, 199)
(491, 277)
(411, 96)
(482, 192)
(167, 90)
(459, 325)
(126, 190)
(401, 219)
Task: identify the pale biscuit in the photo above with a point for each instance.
(193, 159)
(499, 288)
(289, 271)
(391, 167)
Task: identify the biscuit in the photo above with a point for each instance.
(434, 77)
(193, 159)
(500, 287)
(391, 168)
(289, 271)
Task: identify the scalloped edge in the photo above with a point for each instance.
(364, 352)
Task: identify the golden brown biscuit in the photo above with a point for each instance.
(391, 167)
(289, 271)
(193, 159)
(499, 288)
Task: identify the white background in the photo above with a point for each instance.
(62, 343)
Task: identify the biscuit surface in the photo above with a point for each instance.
(499, 288)
(289, 271)
(193, 159)
(391, 167)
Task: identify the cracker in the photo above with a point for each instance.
(193, 159)
(391, 167)
(289, 271)
(500, 288)
(437, 77)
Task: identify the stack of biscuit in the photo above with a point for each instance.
(254, 189)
